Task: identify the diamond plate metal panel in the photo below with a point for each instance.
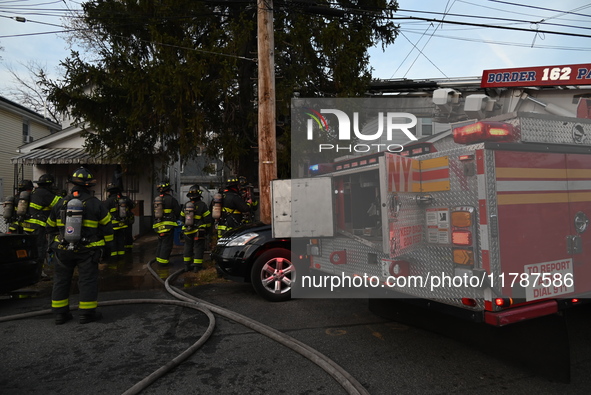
(553, 130)
(431, 263)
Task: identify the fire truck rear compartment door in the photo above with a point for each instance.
(537, 200)
(302, 207)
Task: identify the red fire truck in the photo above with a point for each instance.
(489, 220)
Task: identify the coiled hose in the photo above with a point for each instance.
(348, 382)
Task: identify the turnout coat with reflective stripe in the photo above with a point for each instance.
(97, 229)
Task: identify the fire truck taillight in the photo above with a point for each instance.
(463, 257)
(463, 228)
(313, 248)
(469, 302)
(461, 237)
(461, 219)
(484, 131)
(503, 302)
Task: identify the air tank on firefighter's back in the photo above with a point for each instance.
(73, 222)
(189, 213)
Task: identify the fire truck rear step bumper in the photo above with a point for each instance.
(518, 314)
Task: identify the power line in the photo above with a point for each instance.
(554, 47)
(539, 8)
(496, 18)
(490, 26)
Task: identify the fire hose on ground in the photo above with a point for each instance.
(345, 379)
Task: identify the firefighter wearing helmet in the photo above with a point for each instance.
(20, 207)
(167, 211)
(119, 207)
(234, 207)
(80, 229)
(41, 201)
(196, 222)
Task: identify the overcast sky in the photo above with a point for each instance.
(423, 50)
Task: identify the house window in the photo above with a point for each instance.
(27, 138)
(212, 169)
(133, 183)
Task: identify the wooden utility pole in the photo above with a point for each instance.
(266, 103)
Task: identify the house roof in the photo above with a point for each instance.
(58, 156)
(22, 110)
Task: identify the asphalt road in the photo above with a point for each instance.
(133, 340)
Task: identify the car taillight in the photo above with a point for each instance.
(484, 131)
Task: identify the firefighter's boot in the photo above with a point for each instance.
(62, 318)
(197, 267)
(89, 317)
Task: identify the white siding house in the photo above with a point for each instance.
(18, 126)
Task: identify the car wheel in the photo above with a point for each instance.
(272, 275)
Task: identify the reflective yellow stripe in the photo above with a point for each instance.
(51, 222)
(54, 201)
(164, 223)
(187, 259)
(168, 210)
(87, 305)
(90, 223)
(198, 260)
(35, 221)
(516, 172)
(56, 304)
(109, 237)
(99, 243)
(105, 220)
(231, 211)
(35, 206)
(161, 260)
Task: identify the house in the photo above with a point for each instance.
(61, 153)
(18, 125)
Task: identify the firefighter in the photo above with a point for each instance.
(246, 192)
(81, 229)
(116, 206)
(197, 221)
(21, 206)
(234, 207)
(129, 220)
(167, 212)
(42, 200)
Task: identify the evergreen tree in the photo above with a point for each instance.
(164, 76)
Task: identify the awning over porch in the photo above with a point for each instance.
(58, 156)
